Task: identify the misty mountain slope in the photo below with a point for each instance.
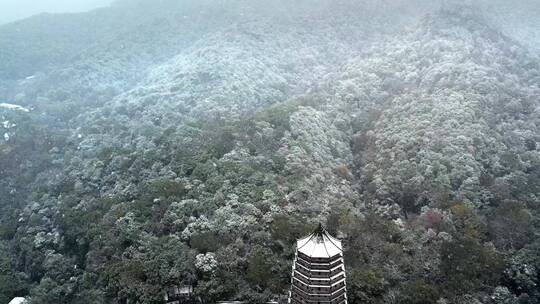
(465, 102)
(95, 55)
(418, 147)
(517, 20)
(446, 123)
(237, 71)
(102, 53)
(240, 69)
(47, 41)
(99, 70)
(251, 72)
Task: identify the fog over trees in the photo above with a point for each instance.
(13, 10)
(160, 143)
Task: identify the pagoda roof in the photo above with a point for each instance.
(319, 244)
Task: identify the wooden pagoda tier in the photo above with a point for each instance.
(318, 273)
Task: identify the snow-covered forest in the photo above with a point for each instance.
(157, 143)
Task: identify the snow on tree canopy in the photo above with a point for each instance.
(14, 107)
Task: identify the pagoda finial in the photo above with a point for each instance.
(320, 229)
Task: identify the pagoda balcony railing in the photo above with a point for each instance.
(333, 268)
(319, 288)
(337, 301)
(329, 295)
(334, 298)
(319, 266)
(319, 281)
(325, 282)
(319, 273)
(299, 300)
(319, 260)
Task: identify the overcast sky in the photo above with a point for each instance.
(11, 10)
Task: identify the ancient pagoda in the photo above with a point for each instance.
(318, 273)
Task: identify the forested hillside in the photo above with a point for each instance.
(162, 143)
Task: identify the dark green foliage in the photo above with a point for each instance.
(511, 225)
(467, 222)
(468, 266)
(259, 270)
(278, 116)
(80, 227)
(221, 140)
(49, 291)
(205, 242)
(9, 224)
(419, 292)
(366, 286)
(289, 228)
(367, 237)
(167, 189)
(143, 272)
(12, 284)
(522, 272)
